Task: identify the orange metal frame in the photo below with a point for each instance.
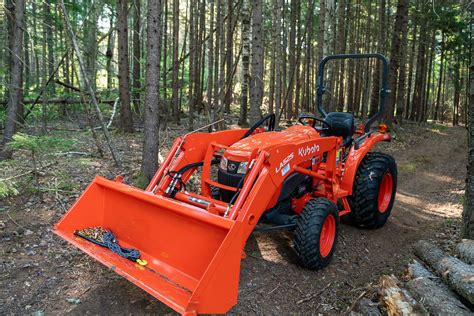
(194, 243)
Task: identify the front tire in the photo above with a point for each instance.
(373, 193)
(316, 233)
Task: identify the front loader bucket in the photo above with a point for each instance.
(193, 256)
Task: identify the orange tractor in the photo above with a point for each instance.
(184, 247)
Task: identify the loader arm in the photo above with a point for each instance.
(193, 249)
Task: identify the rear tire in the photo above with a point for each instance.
(373, 193)
(316, 233)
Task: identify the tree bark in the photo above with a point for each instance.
(90, 41)
(401, 86)
(256, 79)
(175, 73)
(278, 59)
(412, 65)
(109, 54)
(437, 298)
(245, 35)
(137, 54)
(15, 85)
(321, 30)
(291, 59)
(417, 101)
(465, 250)
(374, 100)
(457, 274)
(124, 68)
(210, 58)
(468, 210)
(229, 54)
(401, 22)
(192, 61)
(152, 98)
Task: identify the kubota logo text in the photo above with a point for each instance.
(304, 151)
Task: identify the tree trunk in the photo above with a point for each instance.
(175, 73)
(192, 61)
(341, 43)
(222, 63)
(458, 275)
(124, 72)
(152, 97)
(229, 54)
(468, 210)
(291, 59)
(136, 55)
(307, 95)
(109, 54)
(278, 59)
(15, 85)
(90, 41)
(245, 35)
(411, 64)
(457, 92)
(417, 101)
(400, 27)
(374, 100)
(321, 30)
(256, 79)
(164, 59)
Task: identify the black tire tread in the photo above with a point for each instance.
(307, 232)
(363, 202)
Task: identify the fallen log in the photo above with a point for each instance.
(458, 275)
(398, 301)
(435, 296)
(465, 250)
(418, 270)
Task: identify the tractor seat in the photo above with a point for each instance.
(342, 125)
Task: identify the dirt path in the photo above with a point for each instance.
(41, 273)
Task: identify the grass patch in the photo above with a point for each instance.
(88, 162)
(439, 127)
(415, 163)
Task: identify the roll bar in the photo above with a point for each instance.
(384, 91)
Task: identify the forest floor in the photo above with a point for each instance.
(40, 273)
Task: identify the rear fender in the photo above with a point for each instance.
(356, 156)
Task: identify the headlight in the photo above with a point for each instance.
(242, 167)
(223, 164)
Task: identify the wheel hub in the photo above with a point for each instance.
(328, 235)
(385, 192)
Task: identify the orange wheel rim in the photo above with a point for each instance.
(385, 192)
(328, 235)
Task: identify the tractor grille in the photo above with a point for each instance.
(229, 177)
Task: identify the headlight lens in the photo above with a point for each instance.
(242, 167)
(223, 164)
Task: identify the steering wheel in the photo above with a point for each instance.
(271, 124)
(312, 122)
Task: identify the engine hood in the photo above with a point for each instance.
(241, 150)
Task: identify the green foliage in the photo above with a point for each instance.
(439, 127)
(7, 189)
(39, 144)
